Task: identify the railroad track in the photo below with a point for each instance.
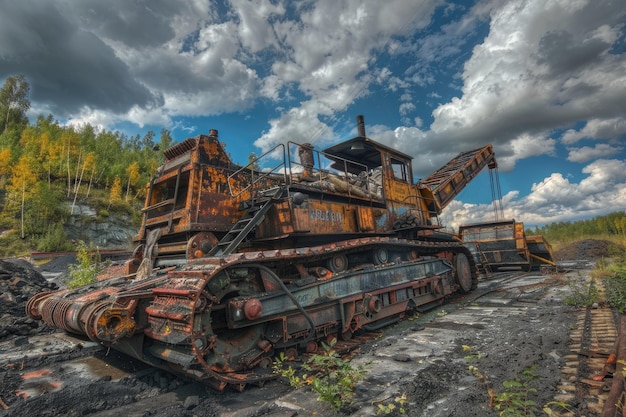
(111, 254)
(590, 376)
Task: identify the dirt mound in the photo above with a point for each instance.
(18, 282)
(588, 249)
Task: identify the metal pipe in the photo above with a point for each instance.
(360, 121)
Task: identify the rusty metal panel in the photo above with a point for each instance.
(323, 217)
(498, 244)
(284, 217)
(397, 190)
(301, 220)
(540, 250)
(365, 218)
(191, 192)
(279, 221)
(520, 238)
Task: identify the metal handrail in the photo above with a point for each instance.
(158, 205)
(320, 173)
(263, 174)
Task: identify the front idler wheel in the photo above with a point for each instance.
(463, 272)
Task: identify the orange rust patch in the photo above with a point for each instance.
(36, 374)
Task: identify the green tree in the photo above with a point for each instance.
(44, 208)
(148, 140)
(164, 143)
(14, 102)
(109, 155)
(71, 153)
(89, 165)
(253, 162)
(88, 267)
(611, 224)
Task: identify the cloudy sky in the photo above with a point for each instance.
(544, 81)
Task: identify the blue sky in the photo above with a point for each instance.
(544, 81)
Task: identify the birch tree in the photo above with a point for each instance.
(14, 102)
(22, 184)
(133, 176)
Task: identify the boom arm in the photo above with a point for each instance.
(449, 180)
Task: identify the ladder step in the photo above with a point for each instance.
(231, 240)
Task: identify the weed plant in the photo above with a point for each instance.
(613, 275)
(331, 376)
(516, 400)
(582, 292)
(87, 269)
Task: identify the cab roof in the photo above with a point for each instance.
(365, 151)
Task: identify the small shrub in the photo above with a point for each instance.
(88, 267)
(288, 372)
(11, 244)
(471, 355)
(614, 278)
(515, 400)
(54, 240)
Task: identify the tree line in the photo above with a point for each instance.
(611, 225)
(47, 168)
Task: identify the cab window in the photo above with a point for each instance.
(400, 170)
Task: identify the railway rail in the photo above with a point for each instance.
(110, 254)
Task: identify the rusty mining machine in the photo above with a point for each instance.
(235, 264)
(504, 244)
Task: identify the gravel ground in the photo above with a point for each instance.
(500, 330)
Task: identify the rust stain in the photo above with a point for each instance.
(36, 374)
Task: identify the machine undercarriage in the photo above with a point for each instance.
(222, 321)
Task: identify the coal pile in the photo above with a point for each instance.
(588, 249)
(19, 281)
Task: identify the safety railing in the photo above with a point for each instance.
(315, 169)
(260, 179)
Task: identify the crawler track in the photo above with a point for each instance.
(222, 320)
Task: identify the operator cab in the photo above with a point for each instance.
(396, 165)
(389, 167)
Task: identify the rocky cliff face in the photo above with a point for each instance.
(112, 232)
